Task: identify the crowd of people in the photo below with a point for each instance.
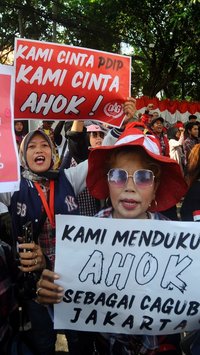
(141, 170)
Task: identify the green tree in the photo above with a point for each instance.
(163, 36)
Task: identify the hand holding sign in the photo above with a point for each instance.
(129, 110)
(47, 291)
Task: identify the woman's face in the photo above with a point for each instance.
(96, 139)
(178, 133)
(130, 201)
(19, 126)
(38, 154)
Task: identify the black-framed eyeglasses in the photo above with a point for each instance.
(142, 178)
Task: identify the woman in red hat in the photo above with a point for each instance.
(139, 183)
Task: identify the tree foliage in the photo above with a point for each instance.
(163, 36)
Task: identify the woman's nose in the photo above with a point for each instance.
(130, 184)
(38, 148)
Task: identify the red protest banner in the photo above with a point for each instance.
(60, 82)
(9, 167)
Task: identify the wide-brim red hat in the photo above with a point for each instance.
(172, 186)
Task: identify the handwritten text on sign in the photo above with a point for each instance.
(128, 276)
(65, 82)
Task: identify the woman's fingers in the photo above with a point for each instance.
(130, 107)
(47, 291)
(31, 257)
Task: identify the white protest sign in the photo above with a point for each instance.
(127, 276)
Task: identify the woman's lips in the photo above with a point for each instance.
(129, 204)
(98, 143)
(39, 160)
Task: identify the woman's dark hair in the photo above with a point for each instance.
(193, 166)
(171, 133)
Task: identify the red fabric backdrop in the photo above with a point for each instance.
(172, 106)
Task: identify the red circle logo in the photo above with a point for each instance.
(113, 109)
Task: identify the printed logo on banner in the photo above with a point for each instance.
(113, 109)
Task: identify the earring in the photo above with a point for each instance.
(108, 202)
(153, 204)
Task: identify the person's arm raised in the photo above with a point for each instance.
(114, 133)
(57, 132)
(77, 176)
(77, 126)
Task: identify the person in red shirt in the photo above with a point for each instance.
(147, 116)
(157, 129)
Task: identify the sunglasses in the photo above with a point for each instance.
(97, 134)
(142, 178)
